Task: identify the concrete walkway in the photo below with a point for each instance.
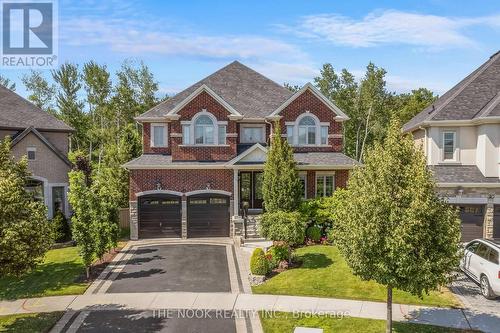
(247, 302)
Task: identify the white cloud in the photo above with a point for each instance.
(392, 27)
(138, 38)
(293, 73)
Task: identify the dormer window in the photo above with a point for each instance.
(204, 129)
(307, 130)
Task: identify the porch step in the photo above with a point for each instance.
(253, 227)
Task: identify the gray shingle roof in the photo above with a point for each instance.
(328, 159)
(460, 174)
(476, 96)
(248, 92)
(16, 112)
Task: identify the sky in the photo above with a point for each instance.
(432, 44)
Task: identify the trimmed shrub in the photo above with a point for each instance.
(314, 233)
(61, 227)
(259, 265)
(288, 227)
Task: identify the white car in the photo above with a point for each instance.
(481, 263)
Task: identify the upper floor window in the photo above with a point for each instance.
(204, 129)
(252, 134)
(449, 146)
(158, 135)
(31, 152)
(307, 130)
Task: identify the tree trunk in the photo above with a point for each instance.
(87, 271)
(388, 328)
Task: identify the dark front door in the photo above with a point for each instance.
(251, 189)
(208, 216)
(159, 216)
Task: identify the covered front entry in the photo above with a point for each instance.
(251, 189)
(208, 215)
(160, 216)
(472, 217)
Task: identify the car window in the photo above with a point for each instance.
(482, 250)
(472, 247)
(493, 256)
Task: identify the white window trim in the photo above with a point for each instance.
(28, 149)
(455, 158)
(261, 126)
(323, 174)
(192, 124)
(165, 135)
(318, 123)
(304, 174)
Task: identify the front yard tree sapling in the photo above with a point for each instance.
(391, 226)
(25, 234)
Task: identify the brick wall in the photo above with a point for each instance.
(190, 153)
(309, 102)
(180, 180)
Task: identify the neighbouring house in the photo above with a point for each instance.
(460, 136)
(44, 139)
(204, 151)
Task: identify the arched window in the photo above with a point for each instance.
(307, 131)
(204, 129)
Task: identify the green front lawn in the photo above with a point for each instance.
(324, 273)
(57, 275)
(29, 323)
(286, 323)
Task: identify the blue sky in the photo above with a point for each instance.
(429, 44)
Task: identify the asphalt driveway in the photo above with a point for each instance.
(175, 267)
(147, 321)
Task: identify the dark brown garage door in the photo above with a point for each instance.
(496, 222)
(208, 216)
(472, 217)
(159, 216)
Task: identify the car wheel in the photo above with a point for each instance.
(485, 288)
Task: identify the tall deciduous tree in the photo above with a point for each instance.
(7, 83)
(41, 92)
(69, 106)
(281, 185)
(391, 226)
(25, 234)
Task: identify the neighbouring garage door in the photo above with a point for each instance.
(208, 216)
(472, 217)
(159, 216)
(496, 222)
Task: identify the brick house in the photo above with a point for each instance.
(204, 151)
(460, 136)
(44, 139)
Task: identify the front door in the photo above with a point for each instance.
(251, 189)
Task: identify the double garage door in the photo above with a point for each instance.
(472, 217)
(161, 216)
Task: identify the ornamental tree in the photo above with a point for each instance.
(281, 187)
(25, 234)
(391, 226)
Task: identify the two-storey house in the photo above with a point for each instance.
(44, 139)
(204, 151)
(460, 136)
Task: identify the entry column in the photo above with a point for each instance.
(184, 217)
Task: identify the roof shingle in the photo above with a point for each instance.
(16, 112)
